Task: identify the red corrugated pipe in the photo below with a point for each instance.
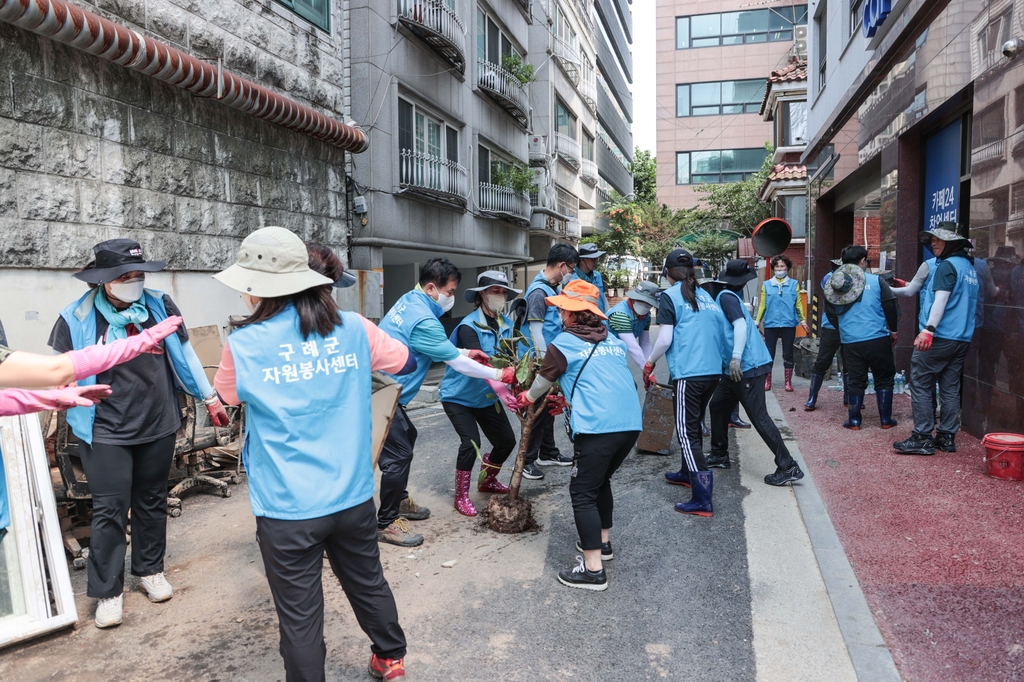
(79, 28)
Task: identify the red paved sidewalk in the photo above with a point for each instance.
(937, 544)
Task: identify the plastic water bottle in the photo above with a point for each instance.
(839, 382)
(871, 384)
(901, 383)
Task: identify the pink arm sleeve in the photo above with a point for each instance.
(386, 354)
(224, 380)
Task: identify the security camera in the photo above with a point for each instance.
(1012, 46)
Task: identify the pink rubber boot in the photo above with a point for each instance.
(488, 481)
(463, 504)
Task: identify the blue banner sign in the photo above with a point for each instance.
(942, 177)
(875, 12)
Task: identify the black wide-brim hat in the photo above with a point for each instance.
(737, 272)
(114, 258)
(346, 280)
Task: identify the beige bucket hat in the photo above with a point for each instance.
(272, 261)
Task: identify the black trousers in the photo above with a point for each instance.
(493, 422)
(595, 458)
(123, 477)
(293, 556)
(828, 345)
(542, 438)
(749, 393)
(395, 462)
(874, 355)
(788, 336)
(690, 400)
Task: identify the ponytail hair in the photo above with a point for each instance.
(687, 278)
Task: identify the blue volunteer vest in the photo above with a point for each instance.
(755, 352)
(605, 400)
(864, 319)
(780, 303)
(459, 388)
(308, 422)
(959, 319)
(185, 366)
(639, 324)
(409, 311)
(825, 324)
(552, 320)
(698, 339)
(594, 278)
(926, 295)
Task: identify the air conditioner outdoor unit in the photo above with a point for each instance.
(538, 144)
(800, 40)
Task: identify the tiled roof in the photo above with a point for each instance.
(783, 172)
(795, 70)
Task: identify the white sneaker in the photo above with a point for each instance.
(156, 587)
(110, 612)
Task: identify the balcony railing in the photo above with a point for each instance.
(568, 203)
(586, 18)
(438, 26)
(988, 154)
(505, 89)
(504, 202)
(587, 88)
(568, 57)
(588, 171)
(568, 150)
(433, 175)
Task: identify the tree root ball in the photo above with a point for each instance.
(505, 516)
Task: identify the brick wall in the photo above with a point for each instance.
(91, 151)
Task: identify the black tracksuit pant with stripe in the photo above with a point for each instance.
(690, 399)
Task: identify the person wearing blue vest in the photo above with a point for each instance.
(864, 309)
(591, 367)
(949, 301)
(630, 320)
(828, 345)
(691, 334)
(127, 441)
(742, 384)
(478, 404)
(779, 311)
(586, 269)
(302, 367)
(414, 320)
(544, 326)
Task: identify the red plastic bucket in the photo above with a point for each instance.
(1004, 455)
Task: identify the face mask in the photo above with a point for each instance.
(641, 309)
(129, 291)
(559, 278)
(564, 319)
(251, 303)
(781, 274)
(496, 302)
(446, 302)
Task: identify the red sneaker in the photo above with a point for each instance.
(387, 668)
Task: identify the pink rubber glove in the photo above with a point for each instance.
(95, 359)
(479, 356)
(15, 401)
(218, 415)
(504, 395)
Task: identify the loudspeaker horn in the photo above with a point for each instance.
(771, 237)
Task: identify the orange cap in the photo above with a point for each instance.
(576, 296)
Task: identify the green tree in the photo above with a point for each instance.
(645, 176)
(713, 247)
(660, 229)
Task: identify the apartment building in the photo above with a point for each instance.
(614, 32)
(713, 59)
(923, 104)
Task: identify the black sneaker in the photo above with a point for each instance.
(558, 460)
(531, 472)
(584, 579)
(945, 442)
(784, 476)
(606, 550)
(915, 445)
(718, 461)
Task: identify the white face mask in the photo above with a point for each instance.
(446, 302)
(781, 274)
(130, 291)
(641, 309)
(495, 302)
(251, 302)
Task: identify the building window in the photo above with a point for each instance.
(719, 166)
(716, 98)
(565, 120)
(793, 209)
(822, 28)
(425, 134)
(738, 28)
(588, 146)
(492, 45)
(989, 125)
(792, 124)
(316, 12)
(856, 16)
(490, 164)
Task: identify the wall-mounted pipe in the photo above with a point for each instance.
(69, 24)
